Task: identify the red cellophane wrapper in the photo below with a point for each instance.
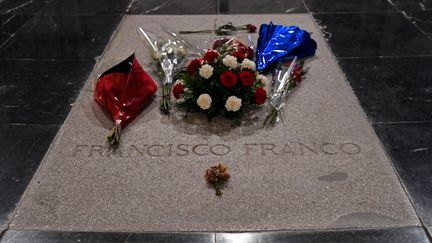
(122, 91)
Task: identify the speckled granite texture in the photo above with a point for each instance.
(325, 169)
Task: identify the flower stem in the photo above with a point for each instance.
(166, 98)
(218, 191)
(113, 138)
(271, 117)
(196, 31)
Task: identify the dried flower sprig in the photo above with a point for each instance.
(226, 29)
(217, 176)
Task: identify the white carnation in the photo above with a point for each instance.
(204, 101)
(206, 71)
(263, 79)
(230, 61)
(248, 64)
(233, 103)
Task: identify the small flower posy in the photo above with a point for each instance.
(224, 81)
(217, 176)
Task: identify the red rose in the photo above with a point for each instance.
(247, 78)
(260, 96)
(297, 73)
(193, 66)
(220, 43)
(240, 56)
(228, 79)
(210, 56)
(178, 90)
(251, 28)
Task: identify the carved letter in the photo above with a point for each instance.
(136, 149)
(324, 145)
(194, 149)
(227, 149)
(355, 149)
(314, 150)
(184, 148)
(248, 147)
(287, 149)
(78, 149)
(96, 148)
(149, 150)
(269, 147)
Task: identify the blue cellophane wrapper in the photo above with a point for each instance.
(280, 41)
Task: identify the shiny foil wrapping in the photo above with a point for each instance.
(122, 91)
(280, 41)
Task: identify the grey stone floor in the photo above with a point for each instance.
(325, 169)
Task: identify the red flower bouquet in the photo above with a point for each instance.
(222, 82)
(122, 91)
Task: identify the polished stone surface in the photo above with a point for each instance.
(36, 236)
(10, 24)
(406, 235)
(371, 35)
(20, 7)
(63, 7)
(423, 20)
(410, 148)
(331, 173)
(174, 7)
(84, 7)
(343, 6)
(392, 89)
(44, 94)
(21, 150)
(413, 5)
(61, 37)
(261, 6)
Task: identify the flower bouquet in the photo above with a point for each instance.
(217, 177)
(224, 81)
(168, 55)
(286, 77)
(122, 91)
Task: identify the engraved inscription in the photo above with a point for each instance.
(218, 149)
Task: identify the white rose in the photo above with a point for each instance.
(206, 71)
(233, 103)
(263, 79)
(248, 64)
(204, 101)
(230, 61)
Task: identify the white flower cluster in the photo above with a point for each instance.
(233, 103)
(230, 61)
(204, 101)
(248, 64)
(206, 71)
(263, 79)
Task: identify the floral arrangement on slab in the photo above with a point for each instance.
(222, 82)
(217, 177)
